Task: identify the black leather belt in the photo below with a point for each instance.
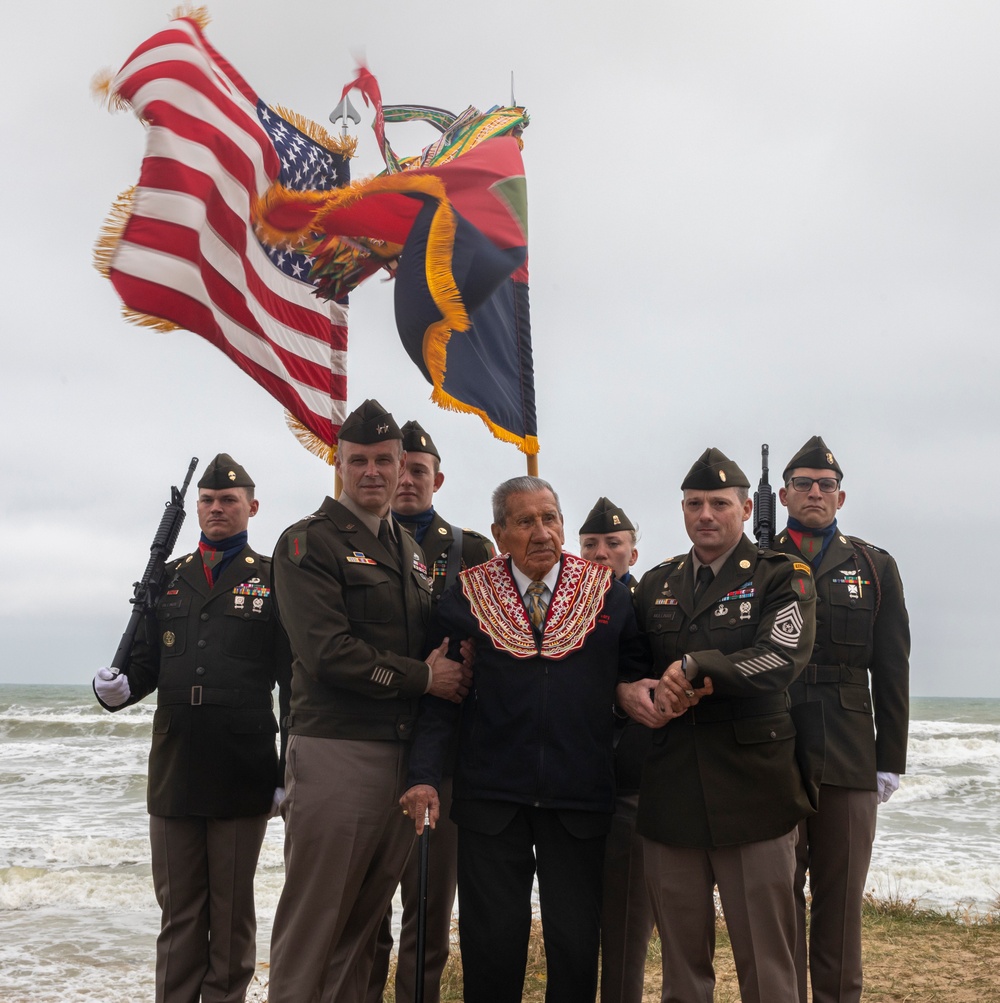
(711, 710)
(813, 674)
(198, 695)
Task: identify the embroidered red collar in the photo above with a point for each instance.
(497, 605)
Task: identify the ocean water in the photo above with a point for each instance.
(78, 920)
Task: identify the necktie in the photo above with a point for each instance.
(537, 606)
(702, 580)
(384, 536)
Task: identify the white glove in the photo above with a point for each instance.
(112, 687)
(888, 784)
(279, 796)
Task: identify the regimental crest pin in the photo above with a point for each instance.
(169, 638)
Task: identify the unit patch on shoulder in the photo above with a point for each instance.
(297, 548)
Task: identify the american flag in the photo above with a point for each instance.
(188, 253)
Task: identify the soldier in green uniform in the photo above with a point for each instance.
(213, 653)
(354, 598)
(608, 537)
(447, 550)
(859, 673)
(721, 793)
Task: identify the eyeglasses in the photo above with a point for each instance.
(826, 484)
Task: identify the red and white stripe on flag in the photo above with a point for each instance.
(189, 254)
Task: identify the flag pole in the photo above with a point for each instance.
(532, 459)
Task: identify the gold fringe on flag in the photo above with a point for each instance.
(343, 146)
(199, 15)
(100, 88)
(527, 444)
(112, 229)
(310, 439)
(148, 321)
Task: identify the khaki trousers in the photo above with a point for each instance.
(755, 886)
(203, 871)
(835, 846)
(346, 843)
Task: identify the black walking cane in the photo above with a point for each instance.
(418, 994)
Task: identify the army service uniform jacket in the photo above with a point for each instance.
(725, 772)
(862, 631)
(356, 615)
(213, 654)
(476, 549)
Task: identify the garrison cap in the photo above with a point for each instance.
(369, 423)
(416, 440)
(606, 517)
(712, 471)
(224, 472)
(813, 454)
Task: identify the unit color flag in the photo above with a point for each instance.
(451, 226)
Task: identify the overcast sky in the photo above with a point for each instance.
(749, 222)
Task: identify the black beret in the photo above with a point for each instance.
(815, 455)
(416, 440)
(369, 423)
(224, 472)
(606, 517)
(714, 470)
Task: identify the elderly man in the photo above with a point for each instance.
(354, 598)
(533, 787)
(608, 536)
(721, 793)
(213, 655)
(862, 639)
(447, 550)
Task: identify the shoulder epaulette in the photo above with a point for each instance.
(867, 545)
(181, 561)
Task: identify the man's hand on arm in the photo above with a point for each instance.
(449, 680)
(419, 799)
(675, 693)
(636, 700)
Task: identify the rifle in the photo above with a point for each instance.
(763, 506)
(147, 590)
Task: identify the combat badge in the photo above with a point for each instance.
(169, 638)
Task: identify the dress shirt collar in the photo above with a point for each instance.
(523, 581)
(369, 519)
(716, 565)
